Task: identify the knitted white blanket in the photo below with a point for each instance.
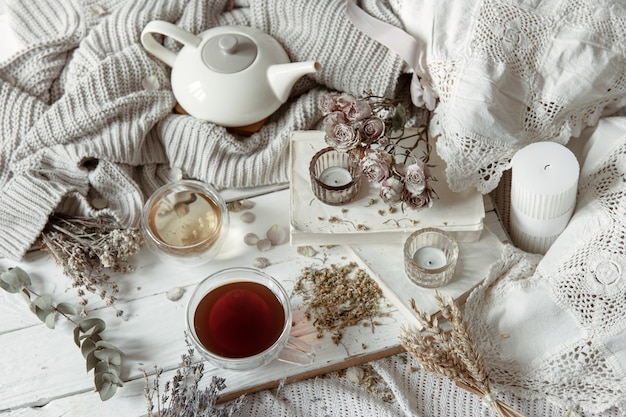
(86, 117)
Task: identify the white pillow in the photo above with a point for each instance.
(509, 73)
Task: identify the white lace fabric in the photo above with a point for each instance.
(509, 73)
(553, 327)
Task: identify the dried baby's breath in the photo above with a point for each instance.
(86, 247)
(339, 296)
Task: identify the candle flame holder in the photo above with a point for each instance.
(325, 190)
(430, 257)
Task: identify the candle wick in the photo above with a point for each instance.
(545, 168)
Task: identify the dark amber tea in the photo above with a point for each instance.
(239, 319)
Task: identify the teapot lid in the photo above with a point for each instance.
(229, 53)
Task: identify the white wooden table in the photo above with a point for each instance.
(43, 372)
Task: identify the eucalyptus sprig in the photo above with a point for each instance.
(104, 358)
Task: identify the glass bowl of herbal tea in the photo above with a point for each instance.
(185, 221)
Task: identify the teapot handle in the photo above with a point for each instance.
(167, 29)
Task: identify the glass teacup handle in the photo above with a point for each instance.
(297, 351)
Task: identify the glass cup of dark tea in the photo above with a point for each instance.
(186, 222)
(240, 318)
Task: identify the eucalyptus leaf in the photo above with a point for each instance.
(112, 378)
(91, 361)
(107, 391)
(88, 346)
(77, 336)
(44, 302)
(41, 314)
(6, 286)
(14, 280)
(22, 276)
(50, 319)
(26, 294)
(101, 367)
(109, 355)
(92, 325)
(115, 369)
(107, 345)
(67, 308)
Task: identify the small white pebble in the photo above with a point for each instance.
(264, 245)
(247, 217)
(307, 251)
(151, 83)
(261, 263)
(355, 374)
(277, 234)
(97, 10)
(251, 239)
(175, 294)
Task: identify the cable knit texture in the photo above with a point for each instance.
(87, 112)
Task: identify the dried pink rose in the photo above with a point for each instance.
(418, 201)
(358, 110)
(391, 190)
(344, 101)
(376, 165)
(332, 119)
(371, 129)
(328, 103)
(416, 177)
(342, 137)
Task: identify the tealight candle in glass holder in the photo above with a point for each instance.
(335, 178)
(430, 257)
(185, 221)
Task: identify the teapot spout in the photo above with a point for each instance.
(282, 77)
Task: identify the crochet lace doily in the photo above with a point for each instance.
(510, 72)
(558, 331)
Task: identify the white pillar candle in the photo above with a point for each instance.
(430, 257)
(335, 176)
(544, 183)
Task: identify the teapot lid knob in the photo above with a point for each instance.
(229, 53)
(228, 44)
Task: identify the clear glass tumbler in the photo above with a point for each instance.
(430, 257)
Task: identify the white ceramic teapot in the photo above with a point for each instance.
(230, 75)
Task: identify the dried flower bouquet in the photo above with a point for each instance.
(371, 130)
(452, 353)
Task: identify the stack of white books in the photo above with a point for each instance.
(368, 219)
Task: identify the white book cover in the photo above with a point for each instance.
(368, 219)
(385, 264)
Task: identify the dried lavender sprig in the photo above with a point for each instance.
(182, 396)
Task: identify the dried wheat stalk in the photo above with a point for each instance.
(451, 353)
